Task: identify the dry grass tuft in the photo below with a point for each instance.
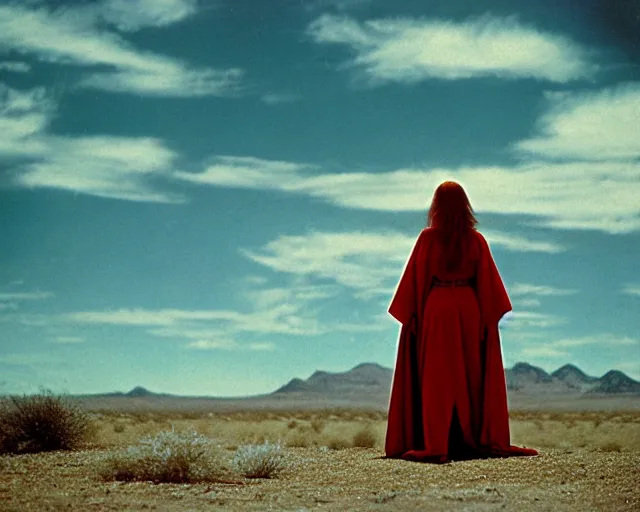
(365, 437)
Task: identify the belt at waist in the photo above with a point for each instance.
(452, 282)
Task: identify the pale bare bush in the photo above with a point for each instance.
(167, 457)
(259, 461)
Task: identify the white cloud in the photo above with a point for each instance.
(68, 339)
(169, 82)
(560, 195)
(357, 260)
(411, 50)
(72, 36)
(340, 5)
(597, 125)
(543, 351)
(23, 116)
(534, 289)
(112, 167)
(226, 344)
(516, 243)
(524, 320)
(368, 264)
(602, 340)
(15, 66)
(104, 166)
(247, 172)
(279, 98)
(631, 289)
(18, 296)
(131, 15)
(562, 347)
(287, 318)
(526, 303)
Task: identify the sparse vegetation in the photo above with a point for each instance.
(611, 446)
(317, 425)
(600, 460)
(365, 437)
(338, 443)
(40, 423)
(168, 457)
(259, 461)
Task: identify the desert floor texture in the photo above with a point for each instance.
(588, 461)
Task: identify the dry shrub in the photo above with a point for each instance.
(42, 422)
(317, 425)
(338, 443)
(611, 446)
(292, 424)
(259, 461)
(168, 457)
(299, 440)
(365, 437)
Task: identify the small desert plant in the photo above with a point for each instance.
(611, 446)
(337, 443)
(299, 439)
(42, 422)
(167, 457)
(118, 428)
(317, 425)
(365, 437)
(259, 461)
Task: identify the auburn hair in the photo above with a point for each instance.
(452, 216)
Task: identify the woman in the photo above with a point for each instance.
(448, 396)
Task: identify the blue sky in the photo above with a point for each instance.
(213, 197)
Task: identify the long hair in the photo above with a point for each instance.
(452, 216)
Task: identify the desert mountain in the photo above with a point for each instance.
(366, 378)
(139, 392)
(372, 379)
(614, 381)
(574, 377)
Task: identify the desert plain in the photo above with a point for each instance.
(588, 460)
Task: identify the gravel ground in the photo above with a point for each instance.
(350, 479)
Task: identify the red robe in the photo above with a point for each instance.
(447, 362)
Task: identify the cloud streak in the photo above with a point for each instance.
(562, 347)
(366, 264)
(409, 50)
(592, 126)
(127, 168)
(73, 37)
(561, 195)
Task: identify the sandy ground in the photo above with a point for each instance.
(574, 471)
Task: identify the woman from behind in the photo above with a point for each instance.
(448, 397)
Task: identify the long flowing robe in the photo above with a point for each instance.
(449, 371)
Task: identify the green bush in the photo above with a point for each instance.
(40, 423)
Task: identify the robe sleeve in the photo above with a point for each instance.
(404, 419)
(404, 306)
(494, 303)
(492, 294)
